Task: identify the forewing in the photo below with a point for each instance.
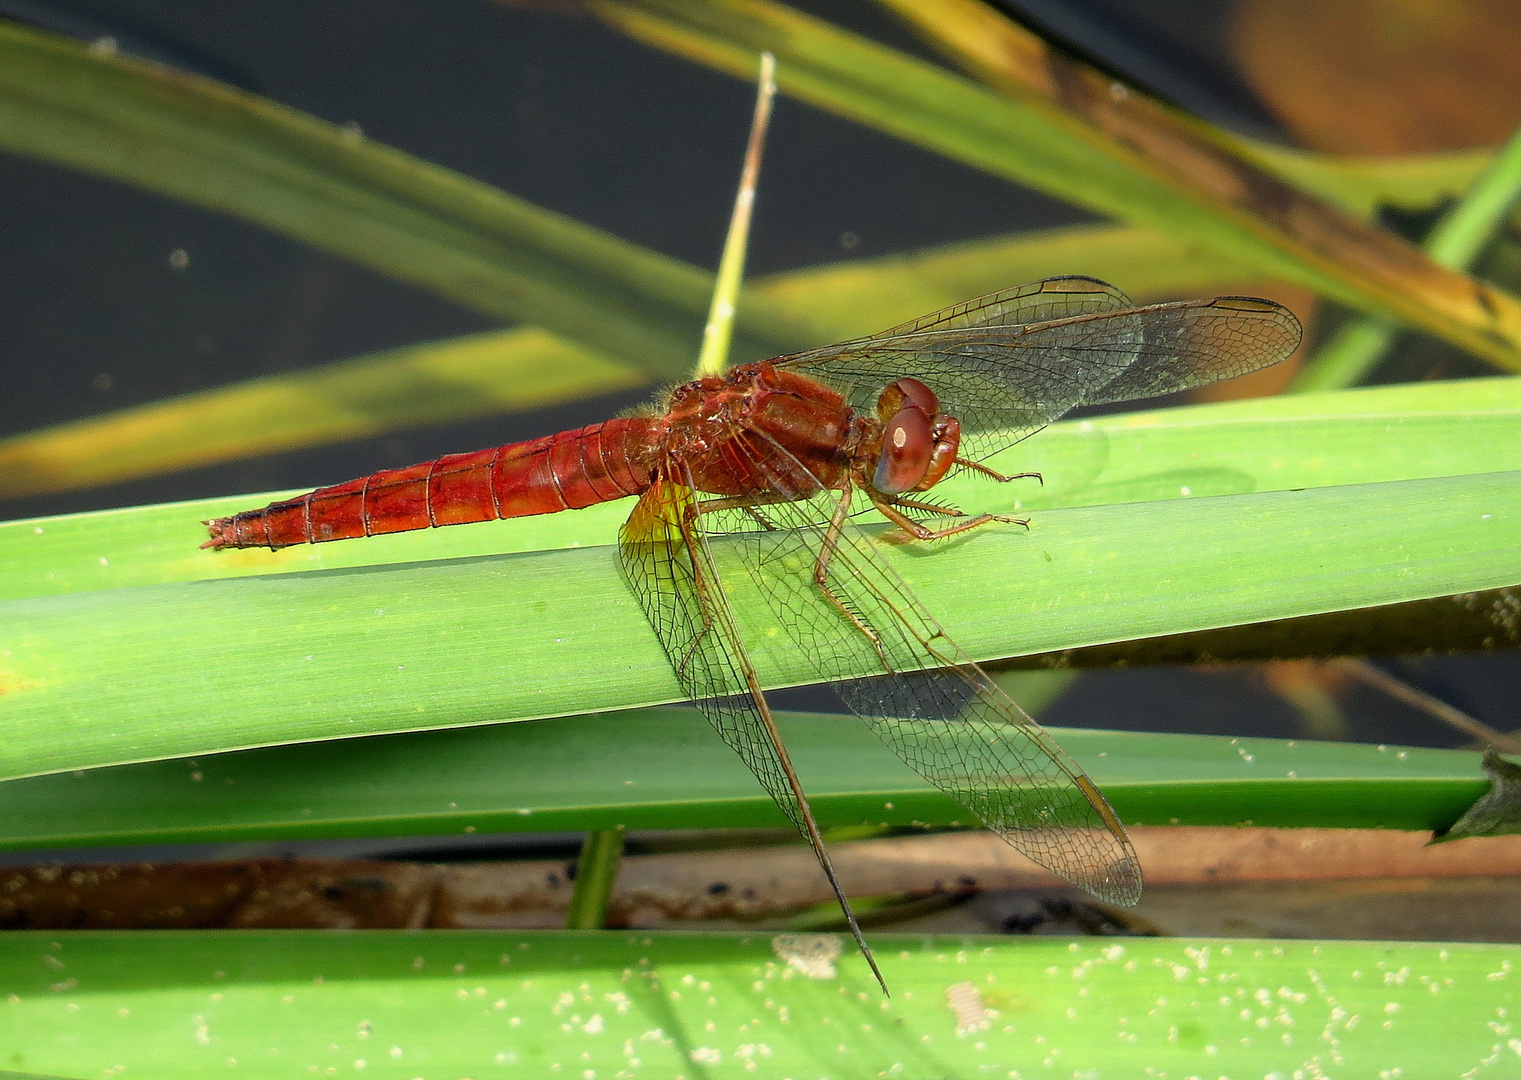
(1196, 342)
(1004, 378)
(670, 566)
(962, 353)
(934, 707)
(1034, 302)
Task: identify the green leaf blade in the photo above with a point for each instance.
(468, 1004)
(275, 658)
(1363, 436)
(665, 768)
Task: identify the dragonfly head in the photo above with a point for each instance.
(918, 444)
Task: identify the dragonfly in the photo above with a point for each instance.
(754, 483)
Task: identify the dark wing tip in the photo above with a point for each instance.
(1277, 313)
(1247, 303)
(1074, 283)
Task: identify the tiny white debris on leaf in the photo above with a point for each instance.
(811, 954)
(965, 1001)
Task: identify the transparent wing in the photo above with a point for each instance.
(670, 566)
(1009, 363)
(1034, 302)
(895, 667)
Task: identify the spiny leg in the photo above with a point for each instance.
(919, 532)
(688, 537)
(950, 511)
(745, 503)
(926, 508)
(821, 575)
(993, 474)
(888, 508)
(737, 502)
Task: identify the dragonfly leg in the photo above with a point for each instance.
(747, 503)
(821, 576)
(688, 518)
(992, 474)
(927, 508)
(889, 510)
(685, 662)
(732, 502)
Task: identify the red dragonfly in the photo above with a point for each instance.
(758, 475)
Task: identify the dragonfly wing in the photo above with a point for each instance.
(670, 565)
(1010, 363)
(1035, 302)
(1195, 342)
(959, 352)
(896, 668)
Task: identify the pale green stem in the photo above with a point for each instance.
(596, 871)
(1454, 242)
(731, 269)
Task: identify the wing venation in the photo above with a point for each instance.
(671, 568)
(1009, 363)
(897, 669)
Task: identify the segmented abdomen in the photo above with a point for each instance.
(542, 476)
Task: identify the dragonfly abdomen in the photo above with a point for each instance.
(566, 471)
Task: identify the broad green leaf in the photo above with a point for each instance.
(666, 769)
(449, 1004)
(188, 137)
(152, 671)
(1146, 172)
(510, 371)
(1386, 433)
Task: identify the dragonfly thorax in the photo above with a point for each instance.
(763, 431)
(806, 435)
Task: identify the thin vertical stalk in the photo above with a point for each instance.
(596, 870)
(602, 850)
(731, 268)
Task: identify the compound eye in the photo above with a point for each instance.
(903, 393)
(907, 444)
(919, 395)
